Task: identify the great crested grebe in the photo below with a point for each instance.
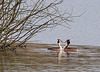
(65, 48)
(56, 48)
(69, 49)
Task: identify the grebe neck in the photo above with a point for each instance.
(65, 46)
(60, 46)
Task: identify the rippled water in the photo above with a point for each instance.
(42, 60)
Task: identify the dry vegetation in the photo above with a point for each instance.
(22, 19)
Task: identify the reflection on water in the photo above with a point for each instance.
(43, 60)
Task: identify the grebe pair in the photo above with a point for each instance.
(65, 48)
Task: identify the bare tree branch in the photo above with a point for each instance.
(19, 20)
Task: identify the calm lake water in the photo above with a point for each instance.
(40, 59)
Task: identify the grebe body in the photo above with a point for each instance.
(69, 49)
(54, 48)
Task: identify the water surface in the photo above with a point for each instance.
(39, 59)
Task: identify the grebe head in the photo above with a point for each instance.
(59, 41)
(68, 41)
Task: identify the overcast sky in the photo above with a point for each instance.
(85, 30)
